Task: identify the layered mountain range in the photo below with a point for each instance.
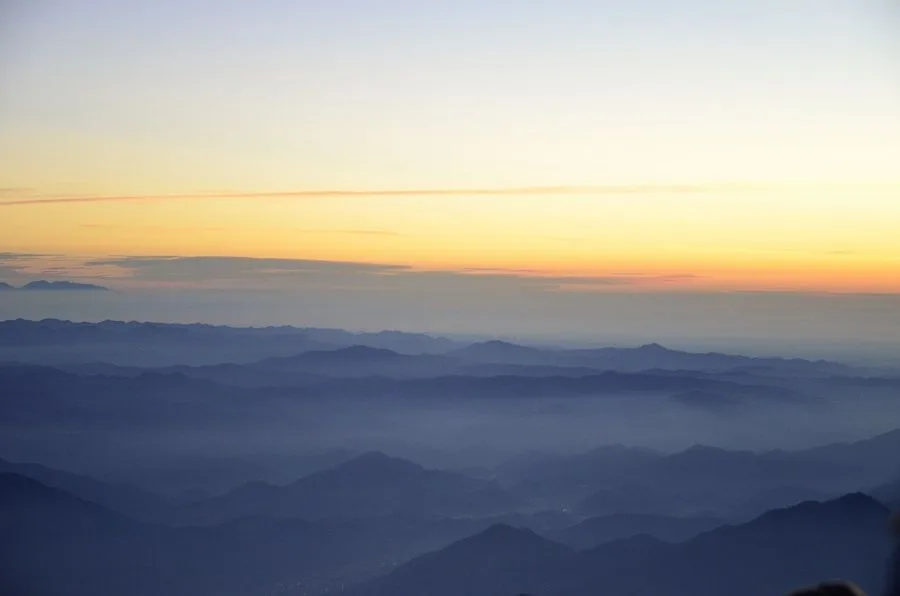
(148, 458)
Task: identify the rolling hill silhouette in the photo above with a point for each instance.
(121, 498)
(595, 531)
(773, 554)
(499, 560)
(372, 484)
(55, 543)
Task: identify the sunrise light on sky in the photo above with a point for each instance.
(599, 146)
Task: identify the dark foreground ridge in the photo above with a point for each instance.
(772, 554)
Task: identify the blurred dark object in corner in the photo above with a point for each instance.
(830, 589)
(846, 589)
(893, 576)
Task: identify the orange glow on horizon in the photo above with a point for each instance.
(819, 238)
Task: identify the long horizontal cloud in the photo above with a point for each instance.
(328, 278)
(19, 256)
(210, 268)
(374, 193)
(275, 273)
(20, 266)
(183, 229)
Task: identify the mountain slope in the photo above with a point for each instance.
(725, 482)
(370, 485)
(782, 550)
(779, 551)
(499, 560)
(56, 544)
(595, 531)
(122, 498)
(875, 459)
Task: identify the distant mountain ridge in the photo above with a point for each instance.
(645, 357)
(43, 285)
(700, 481)
(148, 344)
(81, 340)
(361, 362)
(305, 461)
(59, 331)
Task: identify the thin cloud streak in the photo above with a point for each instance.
(374, 193)
(381, 233)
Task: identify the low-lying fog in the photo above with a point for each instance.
(458, 432)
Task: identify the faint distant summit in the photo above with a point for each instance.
(502, 351)
(58, 286)
(654, 347)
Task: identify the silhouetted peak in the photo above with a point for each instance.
(376, 462)
(504, 534)
(654, 347)
(365, 352)
(254, 487)
(497, 343)
(394, 334)
(60, 285)
(890, 438)
(857, 502)
(700, 395)
(620, 449)
(850, 503)
(17, 490)
(701, 448)
(502, 352)
(503, 541)
(632, 544)
(16, 486)
(853, 504)
(881, 441)
(356, 353)
(705, 451)
(374, 456)
(349, 355)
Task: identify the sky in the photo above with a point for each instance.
(489, 150)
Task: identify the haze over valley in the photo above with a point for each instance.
(306, 460)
